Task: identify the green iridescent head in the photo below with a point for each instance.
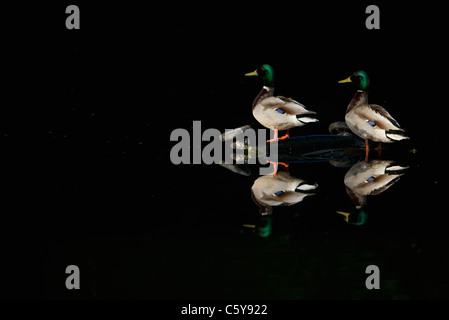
(265, 72)
(359, 78)
(264, 228)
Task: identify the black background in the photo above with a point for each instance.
(85, 126)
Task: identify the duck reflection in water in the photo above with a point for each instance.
(341, 148)
(280, 190)
(277, 190)
(367, 179)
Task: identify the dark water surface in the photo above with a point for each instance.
(87, 176)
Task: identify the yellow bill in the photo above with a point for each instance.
(254, 73)
(345, 214)
(345, 80)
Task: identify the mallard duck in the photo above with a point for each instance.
(370, 121)
(371, 178)
(280, 190)
(277, 113)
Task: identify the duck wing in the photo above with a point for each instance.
(287, 105)
(375, 115)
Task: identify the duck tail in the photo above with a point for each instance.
(396, 135)
(307, 117)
